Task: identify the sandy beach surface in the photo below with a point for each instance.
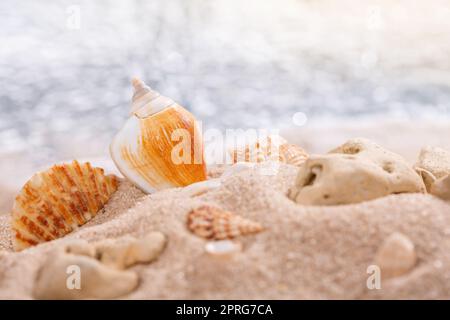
(305, 252)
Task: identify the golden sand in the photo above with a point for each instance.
(306, 252)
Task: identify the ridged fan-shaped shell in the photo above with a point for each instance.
(55, 202)
(273, 148)
(217, 224)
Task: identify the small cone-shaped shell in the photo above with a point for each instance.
(217, 224)
(55, 202)
(273, 148)
(293, 154)
(160, 146)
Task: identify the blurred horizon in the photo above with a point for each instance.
(65, 79)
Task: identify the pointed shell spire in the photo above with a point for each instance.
(217, 224)
(146, 101)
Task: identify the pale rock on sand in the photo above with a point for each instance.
(433, 164)
(441, 188)
(359, 170)
(396, 256)
(96, 281)
(434, 160)
(81, 247)
(126, 251)
(305, 252)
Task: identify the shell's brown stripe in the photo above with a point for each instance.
(34, 229)
(80, 189)
(70, 189)
(38, 218)
(52, 195)
(30, 192)
(42, 221)
(65, 218)
(93, 186)
(28, 242)
(83, 187)
(90, 178)
(104, 187)
(45, 212)
(58, 199)
(153, 160)
(100, 181)
(113, 183)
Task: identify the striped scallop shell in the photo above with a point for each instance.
(55, 202)
(274, 148)
(217, 224)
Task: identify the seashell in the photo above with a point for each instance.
(127, 251)
(70, 276)
(223, 248)
(160, 145)
(272, 148)
(55, 202)
(396, 256)
(293, 154)
(217, 224)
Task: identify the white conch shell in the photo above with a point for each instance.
(150, 149)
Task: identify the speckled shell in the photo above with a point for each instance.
(217, 224)
(275, 148)
(55, 202)
(143, 149)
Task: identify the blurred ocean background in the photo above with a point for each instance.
(65, 69)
